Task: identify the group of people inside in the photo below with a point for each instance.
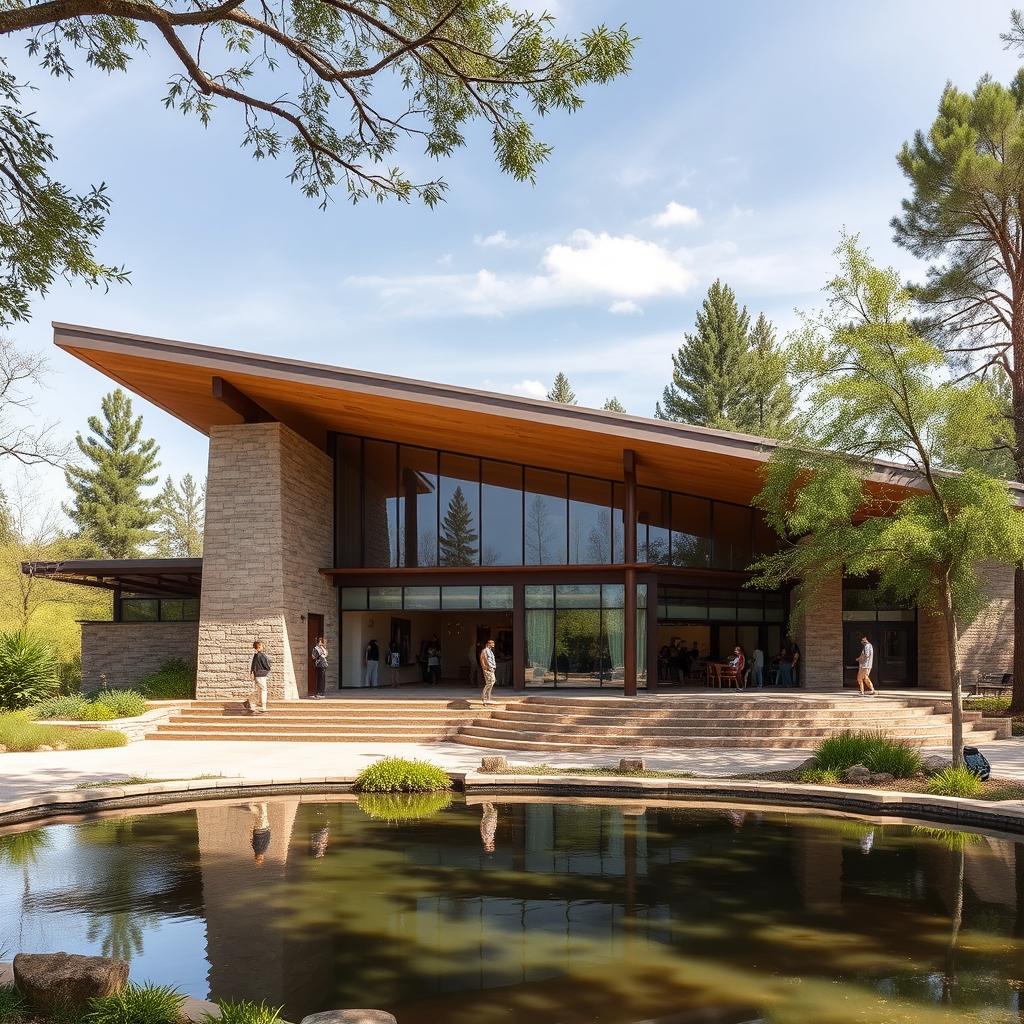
(678, 663)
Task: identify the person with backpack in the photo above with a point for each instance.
(320, 664)
(259, 669)
(371, 658)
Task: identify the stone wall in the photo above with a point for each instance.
(820, 636)
(127, 652)
(269, 523)
(986, 644)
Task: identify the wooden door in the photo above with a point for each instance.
(314, 629)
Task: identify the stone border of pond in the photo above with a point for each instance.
(1006, 817)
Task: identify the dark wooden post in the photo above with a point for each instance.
(629, 554)
(518, 636)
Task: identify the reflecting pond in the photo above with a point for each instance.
(535, 911)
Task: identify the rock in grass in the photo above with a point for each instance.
(857, 774)
(878, 778)
(61, 982)
(351, 1017)
(494, 764)
(631, 764)
(935, 763)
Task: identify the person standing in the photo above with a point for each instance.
(320, 664)
(865, 662)
(795, 650)
(785, 676)
(259, 669)
(371, 659)
(758, 672)
(394, 662)
(489, 668)
(434, 661)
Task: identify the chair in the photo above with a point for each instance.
(729, 676)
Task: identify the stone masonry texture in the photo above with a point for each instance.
(127, 652)
(820, 636)
(269, 524)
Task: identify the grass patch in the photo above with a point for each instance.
(141, 780)
(19, 733)
(74, 707)
(876, 751)
(547, 769)
(996, 707)
(137, 1004)
(123, 703)
(956, 780)
(994, 790)
(13, 1008)
(173, 680)
(397, 808)
(244, 1012)
(819, 776)
(399, 775)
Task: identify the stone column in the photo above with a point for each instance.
(820, 636)
(269, 526)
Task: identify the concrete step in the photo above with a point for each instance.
(369, 721)
(319, 736)
(263, 723)
(853, 721)
(740, 699)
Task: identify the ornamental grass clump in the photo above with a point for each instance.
(13, 1007)
(28, 670)
(398, 808)
(955, 780)
(876, 751)
(137, 1004)
(174, 680)
(819, 776)
(122, 703)
(244, 1012)
(399, 775)
(19, 733)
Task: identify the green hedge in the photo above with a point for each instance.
(174, 680)
(398, 775)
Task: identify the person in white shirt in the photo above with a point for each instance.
(758, 672)
(489, 666)
(865, 661)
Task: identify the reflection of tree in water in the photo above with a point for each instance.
(22, 850)
(120, 933)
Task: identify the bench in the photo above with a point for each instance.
(993, 682)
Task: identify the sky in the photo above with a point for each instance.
(746, 138)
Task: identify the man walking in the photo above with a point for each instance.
(320, 664)
(488, 666)
(865, 661)
(259, 669)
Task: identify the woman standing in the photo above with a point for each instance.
(320, 664)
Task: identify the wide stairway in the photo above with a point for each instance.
(580, 723)
(327, 721)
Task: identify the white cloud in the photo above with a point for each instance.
(589, 267)
(675, 215)
(529, 388)
(444, 260)
(624, 307)
(495, 240)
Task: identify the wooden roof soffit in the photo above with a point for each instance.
(239, 402)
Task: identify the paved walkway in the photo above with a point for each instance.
(23, 774)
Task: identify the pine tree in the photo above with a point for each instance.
(180, 525)
(613, 405)
(109, 506)
(458, 541)
(709, 378)
(561, 391)
(770, 406)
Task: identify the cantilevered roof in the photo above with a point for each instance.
(314, 399)
(177, 576)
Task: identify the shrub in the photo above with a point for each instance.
(988, 705)
(137, 1004)
(876, 751)
(820, 776)
(398, 775)
(122, 703)
(13, 1007)
(956, 780)
(396, 808)
(28, 670)
(69, 674)
(174, 680)
(70, 706)
(244, 1012)
(18, 733)
(96, 712)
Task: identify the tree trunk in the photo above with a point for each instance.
(953, 649)
(1017, 701)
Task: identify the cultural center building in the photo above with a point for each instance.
(422, 515)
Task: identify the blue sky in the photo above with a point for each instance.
(747, 136)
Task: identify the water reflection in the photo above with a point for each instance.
(519, 911)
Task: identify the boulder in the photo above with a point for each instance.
(811, 762)
(350, 1017)
(631, 764)
(61, 982)
(935, 763)
(877, 778)
(857, 774)
(494, 763)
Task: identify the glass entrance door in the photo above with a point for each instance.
(895, 652)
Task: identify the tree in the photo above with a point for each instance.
(613, 405)
(770, 394)
(873, 393)
(109, 506)
(561, 391)
(964, 216)
(709, 377)
(180, 522)
(23, 436)
(319, 80)
(458, 541)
